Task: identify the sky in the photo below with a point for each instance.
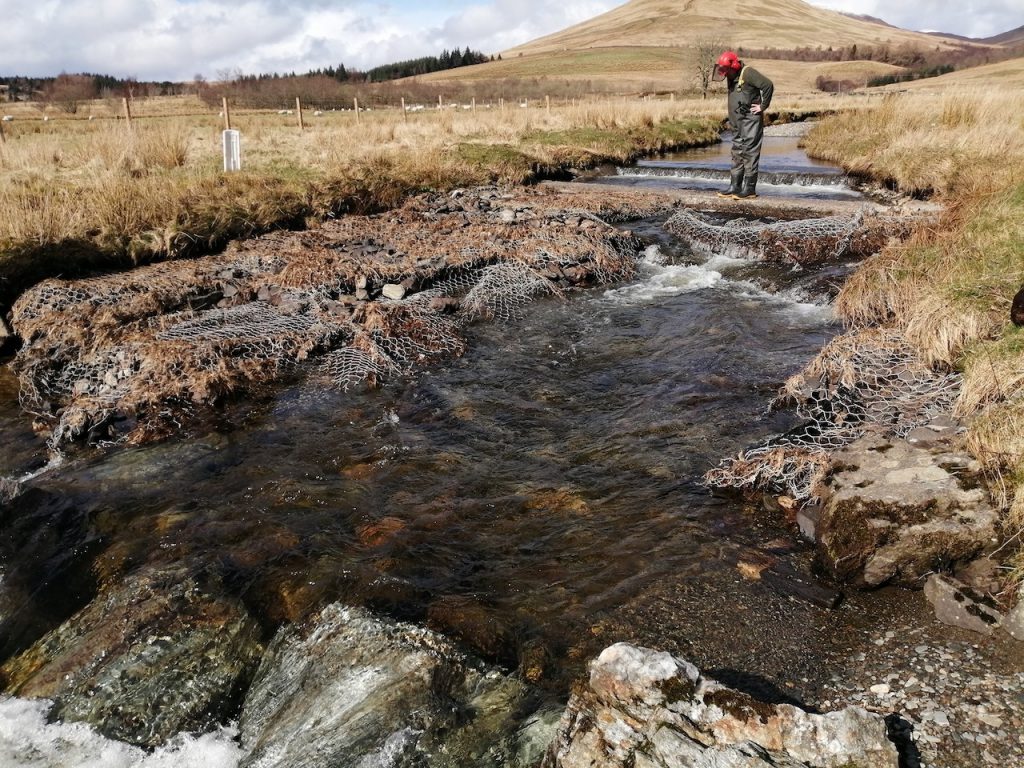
(179, 39)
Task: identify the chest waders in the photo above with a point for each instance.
(749, 88)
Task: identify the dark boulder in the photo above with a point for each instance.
(1017, 309)
(153, 656)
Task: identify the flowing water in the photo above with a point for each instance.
(548, 480)
(532, 474)
(785, 171)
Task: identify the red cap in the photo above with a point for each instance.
(729, 61)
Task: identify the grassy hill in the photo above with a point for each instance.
(1005, 74)
(746, 23)
(644, 45)
(647, 69)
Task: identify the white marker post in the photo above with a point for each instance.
(232, 150)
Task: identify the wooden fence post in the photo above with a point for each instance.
(439, 101)
(355, 105)
(547, 104)
(3, 136)
(298, 109)
(474, 103)
(405, 115)
(227, 113)
(127, 111)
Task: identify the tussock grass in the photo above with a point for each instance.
(82, 193)
(949, 287)
(953, 144)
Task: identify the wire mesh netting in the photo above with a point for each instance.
(804, 241)
(866, 380)
(130, 356)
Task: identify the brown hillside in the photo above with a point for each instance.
(1011, 38)
(746, 23)
(640, 69)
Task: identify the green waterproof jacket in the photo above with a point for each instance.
(749, 87)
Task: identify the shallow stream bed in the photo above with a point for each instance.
(537, 498)
(785, 171)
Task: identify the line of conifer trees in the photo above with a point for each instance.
(399, 69)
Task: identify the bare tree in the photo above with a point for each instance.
(67, 91)
(700, 59)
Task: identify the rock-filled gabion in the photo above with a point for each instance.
(866, 380)
(803, 241)
(130, 356)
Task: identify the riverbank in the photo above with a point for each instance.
(948, 290)
(407, 501)
(81, 196)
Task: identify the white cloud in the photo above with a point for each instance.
(175, 39)
(507, 23)
(972, 18)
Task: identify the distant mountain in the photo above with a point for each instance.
(752, 24)
(866, 17)
(1006, 39)
(1011, 38)
(951, 36)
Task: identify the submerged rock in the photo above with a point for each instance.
(897, 512)
(350, 689)
(475, 625)
(648, 709)
(46, 556)
(148, 659)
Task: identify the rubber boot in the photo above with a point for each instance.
(735, 184)
(748, 191)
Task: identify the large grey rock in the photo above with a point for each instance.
(648, 709)
(1014, 621)
(897, 512)
(348, 688)
(148, 659)
(958, 605)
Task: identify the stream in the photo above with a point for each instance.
(785, 171)
(548, 480)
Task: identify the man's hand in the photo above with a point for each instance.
(755, 109)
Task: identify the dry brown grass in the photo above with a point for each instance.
(949, 288)
(951, 284)
(78, 192)
(958, 144)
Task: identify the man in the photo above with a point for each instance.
(750, 93)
